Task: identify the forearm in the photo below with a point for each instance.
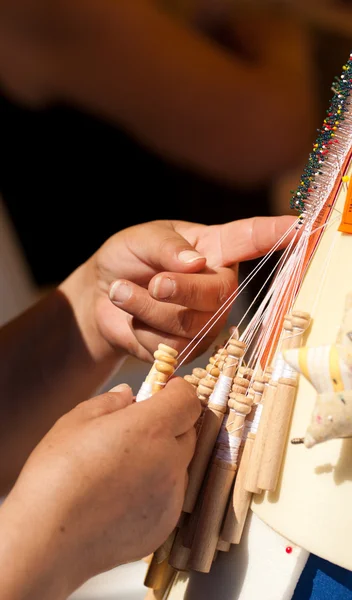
(51, 362)
(179, 93)
(29, 555)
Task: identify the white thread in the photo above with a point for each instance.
(278, 367)
(228, 445)
(221, 391)
(323, 274)
(328, 173)
(255, 422)
(219, 313)
(288, 372)
(145, 392)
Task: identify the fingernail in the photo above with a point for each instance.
(122, 387)
(120, 292)
(163, 288)
(189, 256)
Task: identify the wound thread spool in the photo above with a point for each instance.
(239, 505)
(219, 484)
(281, 413)
(268, 399)
(211, 424)
(165, 361)
(276, 441)
(207, 383)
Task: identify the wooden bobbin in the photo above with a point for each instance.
(207, 383)
(268, 400)
(159, 571)
(159, 575)
(221, 546)
(240, 406)
(219, 484)
(197, 374)
(164, 366)
(240, 385)
(180, 553)
(211, 424)
(245, 372)
(276, 442)
(282, 407)
(181, 549)
(238, 508)
(165, 361)
(300, 323)
(235, 351)
(163, 552)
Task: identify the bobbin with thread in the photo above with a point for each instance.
(165, 362)
(194, 378)
(268, 399)
(281, 413)
(241, 498)
(219, 484)
(164, 365)
(211, 422)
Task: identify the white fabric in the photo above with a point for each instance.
(258, 569)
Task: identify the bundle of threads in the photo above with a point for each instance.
(247, 391)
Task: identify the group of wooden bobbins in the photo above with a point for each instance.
(241, 438)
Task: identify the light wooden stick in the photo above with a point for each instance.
(212, 420)
(281, 413)
(181, 550)
(207, 383)
(165, 361)
(197, 374)
(268, 399)
(240, 385)
(276, 440)
(179, 554)
(159, 575)
(203, 380)
(238, 508)
(159, 571)
(219, 484)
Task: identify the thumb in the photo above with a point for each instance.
(117, 398)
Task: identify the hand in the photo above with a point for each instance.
(120, 294)
(105, 486)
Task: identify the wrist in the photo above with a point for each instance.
(34, 564)
(81, 291)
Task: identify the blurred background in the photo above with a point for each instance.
(70, 179)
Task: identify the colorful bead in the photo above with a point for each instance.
(342, 87)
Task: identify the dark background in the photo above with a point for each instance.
(70, 180)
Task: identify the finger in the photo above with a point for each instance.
(187, 445)
(199, 292)
(150, 338)
(247, 239)
(116, 399)
(166, 250)
(170, 318)
(175, 409)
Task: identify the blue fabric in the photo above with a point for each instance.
(322, 580)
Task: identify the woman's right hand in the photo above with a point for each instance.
(104, 487)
